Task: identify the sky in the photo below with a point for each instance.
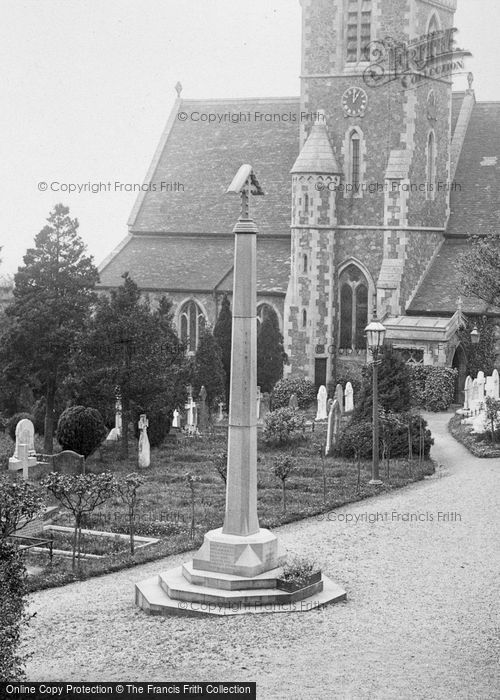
(88, 86)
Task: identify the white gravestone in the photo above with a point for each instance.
(496, 385)
(220, 415)
(480, 385)
(322, 413)
(144, 449)
(489, 387)
(24, 452)
(468, 393)
(334, 417)
(176, 422)
(349, 398)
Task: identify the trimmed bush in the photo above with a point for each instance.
(81, 429)
(432, 388)
(14, 420)
(304, 389)
(283, 426)
(394, 390)
(359, 433)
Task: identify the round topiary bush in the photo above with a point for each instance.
(304, 389)
(14, 420)
(81, 429)
(283, 426)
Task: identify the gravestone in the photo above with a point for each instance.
(488, 387)
(259, 397)
(496, 384)
(339, 396)
(334, 418)
(24, 455)
(220, 415)
(69, 463)
(191, 416)
(144, 448)
(115, 433)
(322, 398)
(265, 406)
(176, 421)
(468, 393)
(349, 398)
(203, 415)
(293, 402)
(480, 386)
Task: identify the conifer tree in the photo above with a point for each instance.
(270, 353)
(52, 294)
(222, 333)
(208, 370)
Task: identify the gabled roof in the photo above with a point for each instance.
(199, 158)
(441, 288)
(195, 263)
(475, 204)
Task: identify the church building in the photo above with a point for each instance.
(374, 178)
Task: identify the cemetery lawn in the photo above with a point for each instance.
(478, 445)
(164, 509)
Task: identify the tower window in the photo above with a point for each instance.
(304, 318)
(353, 308)
(358, 37)
(431, 167)
(355, 159)
(306, 204)
(304, 264)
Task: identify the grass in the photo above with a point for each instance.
(478, 445)
(164, 509)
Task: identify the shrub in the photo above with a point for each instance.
(283, 426)
(432, 388)
(14, 420)
(81, 429)
(357, 437)
(20, 502)
(304, 389)
(13, 590)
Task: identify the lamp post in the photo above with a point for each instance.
(375, 334)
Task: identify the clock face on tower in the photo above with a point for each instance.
(354, 101)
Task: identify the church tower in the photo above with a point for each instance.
(376, 69)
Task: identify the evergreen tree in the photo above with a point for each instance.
(52, 294)
(479, 268)
(128, 346)
(222, 333)
(208, 370)
(270, 353)
(393, 386)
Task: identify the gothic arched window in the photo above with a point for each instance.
(431, 166)
(358, 35)
(265, 311)
(304, 264)
(304, 318)
(353, 308)
(191, 321)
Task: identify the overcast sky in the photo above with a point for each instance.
(88, 86)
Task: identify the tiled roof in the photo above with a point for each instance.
(273, 266)
(439, 292)
(475, 207)
(195, 262)
(201, 158)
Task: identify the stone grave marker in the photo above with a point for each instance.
(220, 415)
(203, 415)
(68, 462)
(293, 402)
(334, 417)
(468, 393)
(496, 384)
(322, 398)
(24, 455)
(339, 396)
(144, 448)
(480, 386)
(349, 398)
(176, 421)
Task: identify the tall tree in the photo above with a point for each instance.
(53, 292)
(127, 345)
(208, 370)
(479, 269)
(394, 386)
(222, 333)
(270, 353)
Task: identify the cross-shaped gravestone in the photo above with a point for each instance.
(144, 448)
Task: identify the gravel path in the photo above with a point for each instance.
(420, 619)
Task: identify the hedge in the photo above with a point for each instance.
(432, 388)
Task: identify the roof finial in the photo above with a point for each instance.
(470, 80)
(178, 88)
